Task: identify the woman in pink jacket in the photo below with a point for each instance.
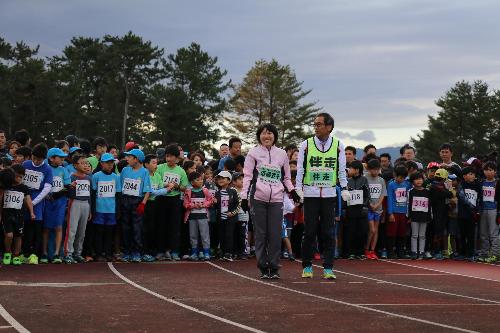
(266, 178)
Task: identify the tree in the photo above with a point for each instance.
(466, 120)
(270, 92)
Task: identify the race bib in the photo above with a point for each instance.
(375, 190)
(356, 198)
(57, 184)
(33, 179)
(270, 174)
(131, 187)
(198, 210)
(321, 176)
(224, 203)
(13, 200)
(106, 189)
(488, 194)
(170, 177)
(401, 195)
(471, 196)
(82, 188)
(420, 204)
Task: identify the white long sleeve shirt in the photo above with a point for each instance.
(321, 192)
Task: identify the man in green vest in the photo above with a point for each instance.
(321, 164)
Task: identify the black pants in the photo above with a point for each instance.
(103, 239)
(226, 235)
(240, 234)
(170, 226)
(467, 232)
(296, 239)
(32, 239)
(149, 230)
(131, 225)
(357, 234)
(322, 211)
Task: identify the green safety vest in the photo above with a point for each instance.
(321, 167)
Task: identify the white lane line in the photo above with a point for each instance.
(14, 323)
(415, 287)
(418, 274)
(3, 327)
(333, 300)
(430, 304)
(56, 284)
(356, 282)
(182, 305)
(441, 271)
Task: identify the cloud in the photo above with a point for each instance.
(366, 136)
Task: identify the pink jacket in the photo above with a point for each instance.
(265, 172)
(189, 205)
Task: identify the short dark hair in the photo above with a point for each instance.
(386, 155)
(172, 149)
(233, 140)
(40, 150)
(61, 143)
(271, 128)
(200, 155)
(99, 141)
(85, 146)
(368, 147)
(373, 164)
(351, 148)
(7, 177)
(290, 147)
(446, 146)
(490, 165)
(327, 119)
(187, 164)
(400, 171)
(230, 164)
(468, 169)
(18, 169)
(224, 144)
(149, 157)
(76, 158)
(405, 148)
(357, 165)
(72, 140)
(112, 146)
(411, 165)
(5, 161)
(24, 151)
(22, 136)
(194, 175)
(2, 131)
(239, 160)
(416, 175)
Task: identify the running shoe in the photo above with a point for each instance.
(175, 257)
(69, 260)
(147, 258)
(274, 274)
(86, 259)
(284, 255)
(438, 256)
(373, 256)
(168, 256)
(427, 255)
(17, 261)
(193, 257)
(351, 257)
(160, 257)
(33, 259)
(328, 274)
(23, 259)
(291, 257)
(7, 258)
(44, 259)
(124, 258)
(227, 257)
(491, 259)
(264, 273)
(186, 257)
(307, 272)
(317, 256)
(383, 254)
(201, 256)
(414, 256)
(136, 257)
(420, 256)
(206, 254)
(56, 259)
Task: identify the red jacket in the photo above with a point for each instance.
(189, 205)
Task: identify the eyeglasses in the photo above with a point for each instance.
(316, 125)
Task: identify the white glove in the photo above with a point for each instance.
(301, 194)
(345, 195)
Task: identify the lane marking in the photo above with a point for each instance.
(14, 323)
(419, 274)
(182, 305)
(430, 304)
(415, 287)
(441, 271)
(1, 327)
(56, 284)
(358, 282)
(333, 300)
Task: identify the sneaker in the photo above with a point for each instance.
(420, 256)
(414, 256)
(427, 255)
(307, 272)
(201, 255)
(185, 257)
(44, 259)
(168, 256)
(160, 257)
(383, 254)
(459, 257)
(367, 254)
(56, 259)
(373, 256)
(284, 255)
(361, 257)
(17, 261)
(392, 255)
(7, 258)
(147, 258)
(194, 257)
(175, 257)
(135, 257)
(491, 259)
(481, 259)
(68, 260)
(264, 273)
(351, 257)
(317, 256)
(274, 274)
(438, 256)
(33, 259)
(472, 259)
(124, 258)
(23, 259)
(328, 274)
(291, 257)
(86, 259)
(227, 257)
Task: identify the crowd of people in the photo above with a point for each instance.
(83, 201)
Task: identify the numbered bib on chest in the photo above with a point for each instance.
(356, 197)
(82, 188)
(106, 189)
(198, 201)
(270, 174)
(170, 177)
(321, 176)
(401, 195)
(33, 179)
(13, 200)
(224, 203)
(488, 194)
(131, 187)
(375, 190)
(420, 204)
(471, 196)
(57, 184)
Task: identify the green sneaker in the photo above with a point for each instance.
(23, 259)
(491, 259)
(17, 261)
(56, 260)
(328, 274)
(307, 272)
(44, 259)
(33, 259)
(7, 258)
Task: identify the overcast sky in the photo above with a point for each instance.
(376, 66)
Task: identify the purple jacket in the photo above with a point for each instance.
(265, 172)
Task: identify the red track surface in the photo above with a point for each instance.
(91, 298)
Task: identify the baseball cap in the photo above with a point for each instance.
(452, 176)
(225, 174)
(441, 173)
(129, 145)
(73, 149)
(160, 152)
(106, 157)
(236, 175)
(137, 153)
(433, 165)
(56, 152)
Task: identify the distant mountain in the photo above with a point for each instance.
(393, 151)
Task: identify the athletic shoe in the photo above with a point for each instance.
(427, 255)
(33, 259)
(361, 257)
(227, 257)
(201, 255)
(420, 256)
(175, 257)
(472, 259)
(7, 258)
(438, 256)
(414, 256)
(367, 254)
(317, 256)
(383, 254)
(491, 259)
(328, 274)
(392, 255)
(284, 255)
(168, 256)
(481, 259)
(307, 272)
(274, 274)
(291, 257)
(135, 257)
(124, 258)
(147, 258)
(351, 257)
(264, 273)
(44, 259)
(86, 259)
(373, 256)
(160, 257)
(459, 257)
(69, 260)
(206, 254)
(194, 257)
(56, 259)
(23, 259)
(17, 261)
